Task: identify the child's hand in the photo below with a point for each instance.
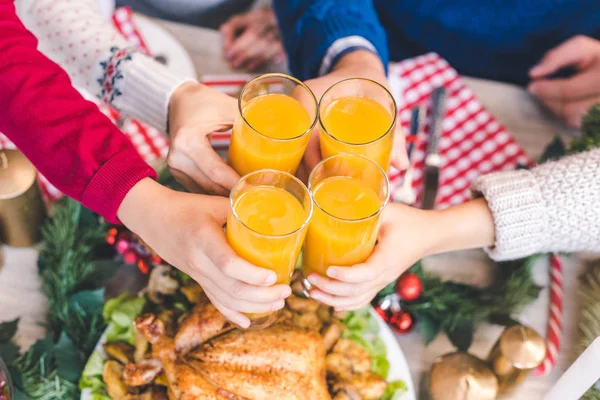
(407, 235)
(195, 112)
(400, 245)
(186, 230)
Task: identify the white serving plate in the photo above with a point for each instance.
(398, 365)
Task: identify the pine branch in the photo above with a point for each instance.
(456, 308)
(71, 236)
(590, 132)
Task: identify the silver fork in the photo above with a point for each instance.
(406, 194)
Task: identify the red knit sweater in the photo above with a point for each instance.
(65, 136)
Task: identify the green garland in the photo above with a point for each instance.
(456, 308)
(73, 268)
(76, 263)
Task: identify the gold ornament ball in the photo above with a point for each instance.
(461, 376)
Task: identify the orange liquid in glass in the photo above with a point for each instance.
(267, 233)
(359, 125)
(344, 225)
(259, 141)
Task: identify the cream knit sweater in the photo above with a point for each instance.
(552, 208)
(74, 34)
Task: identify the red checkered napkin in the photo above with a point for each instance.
(123, 21)
(473, 142)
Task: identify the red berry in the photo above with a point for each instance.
(156, 260)
(402, 322)
(130, 257)
(409, 287)
(143, 266)
(111, 237)
(122, 246)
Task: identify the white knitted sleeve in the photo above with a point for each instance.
(552, 208)
(97, 58)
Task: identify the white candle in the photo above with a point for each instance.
(579, 377)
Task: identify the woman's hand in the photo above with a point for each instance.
(357, 64)
(196, 111)
(407, 235)
(186, 230)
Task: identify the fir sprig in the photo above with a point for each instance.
(456, 308)
(590, 132)
(71, 236)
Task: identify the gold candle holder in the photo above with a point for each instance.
(461, 376)
(22, 210)
(517, 352)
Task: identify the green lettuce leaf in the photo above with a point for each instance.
(381, 366)
(394, 390)
(120, 313)
(91, 377)
(98, 396)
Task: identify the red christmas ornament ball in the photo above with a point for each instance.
(402, 322)
(130, 257)
(385, 314)
(409, 287)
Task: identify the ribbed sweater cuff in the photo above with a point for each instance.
(148, 87)
(114, 179)
(320, 34)
(518, 210)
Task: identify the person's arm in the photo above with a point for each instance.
(316, 34)
(551, 208)
(98, 59)
(67, 138)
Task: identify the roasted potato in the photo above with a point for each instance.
(112, 375)
(194, 293)
(169, 319)
(307, 321)
(331, 334)
(301, 305)
(325, 312)
(369, 386)
(346, 360)
(120, 351)
(141, 345)
(161, 283)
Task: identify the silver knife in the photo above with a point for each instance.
(433, 160)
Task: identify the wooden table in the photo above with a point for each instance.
(533, 128)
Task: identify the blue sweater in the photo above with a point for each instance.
(494, 39)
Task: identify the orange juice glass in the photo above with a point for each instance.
(277, 113)
(349, 192)
(358, 116)
(267, 223)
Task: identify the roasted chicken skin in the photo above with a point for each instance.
(184, 382)
(203, 323)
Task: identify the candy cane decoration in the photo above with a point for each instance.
(554, 329)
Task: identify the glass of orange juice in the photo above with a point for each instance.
(358, 116)
(267, 223)
(277, 113)
(349, 192)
